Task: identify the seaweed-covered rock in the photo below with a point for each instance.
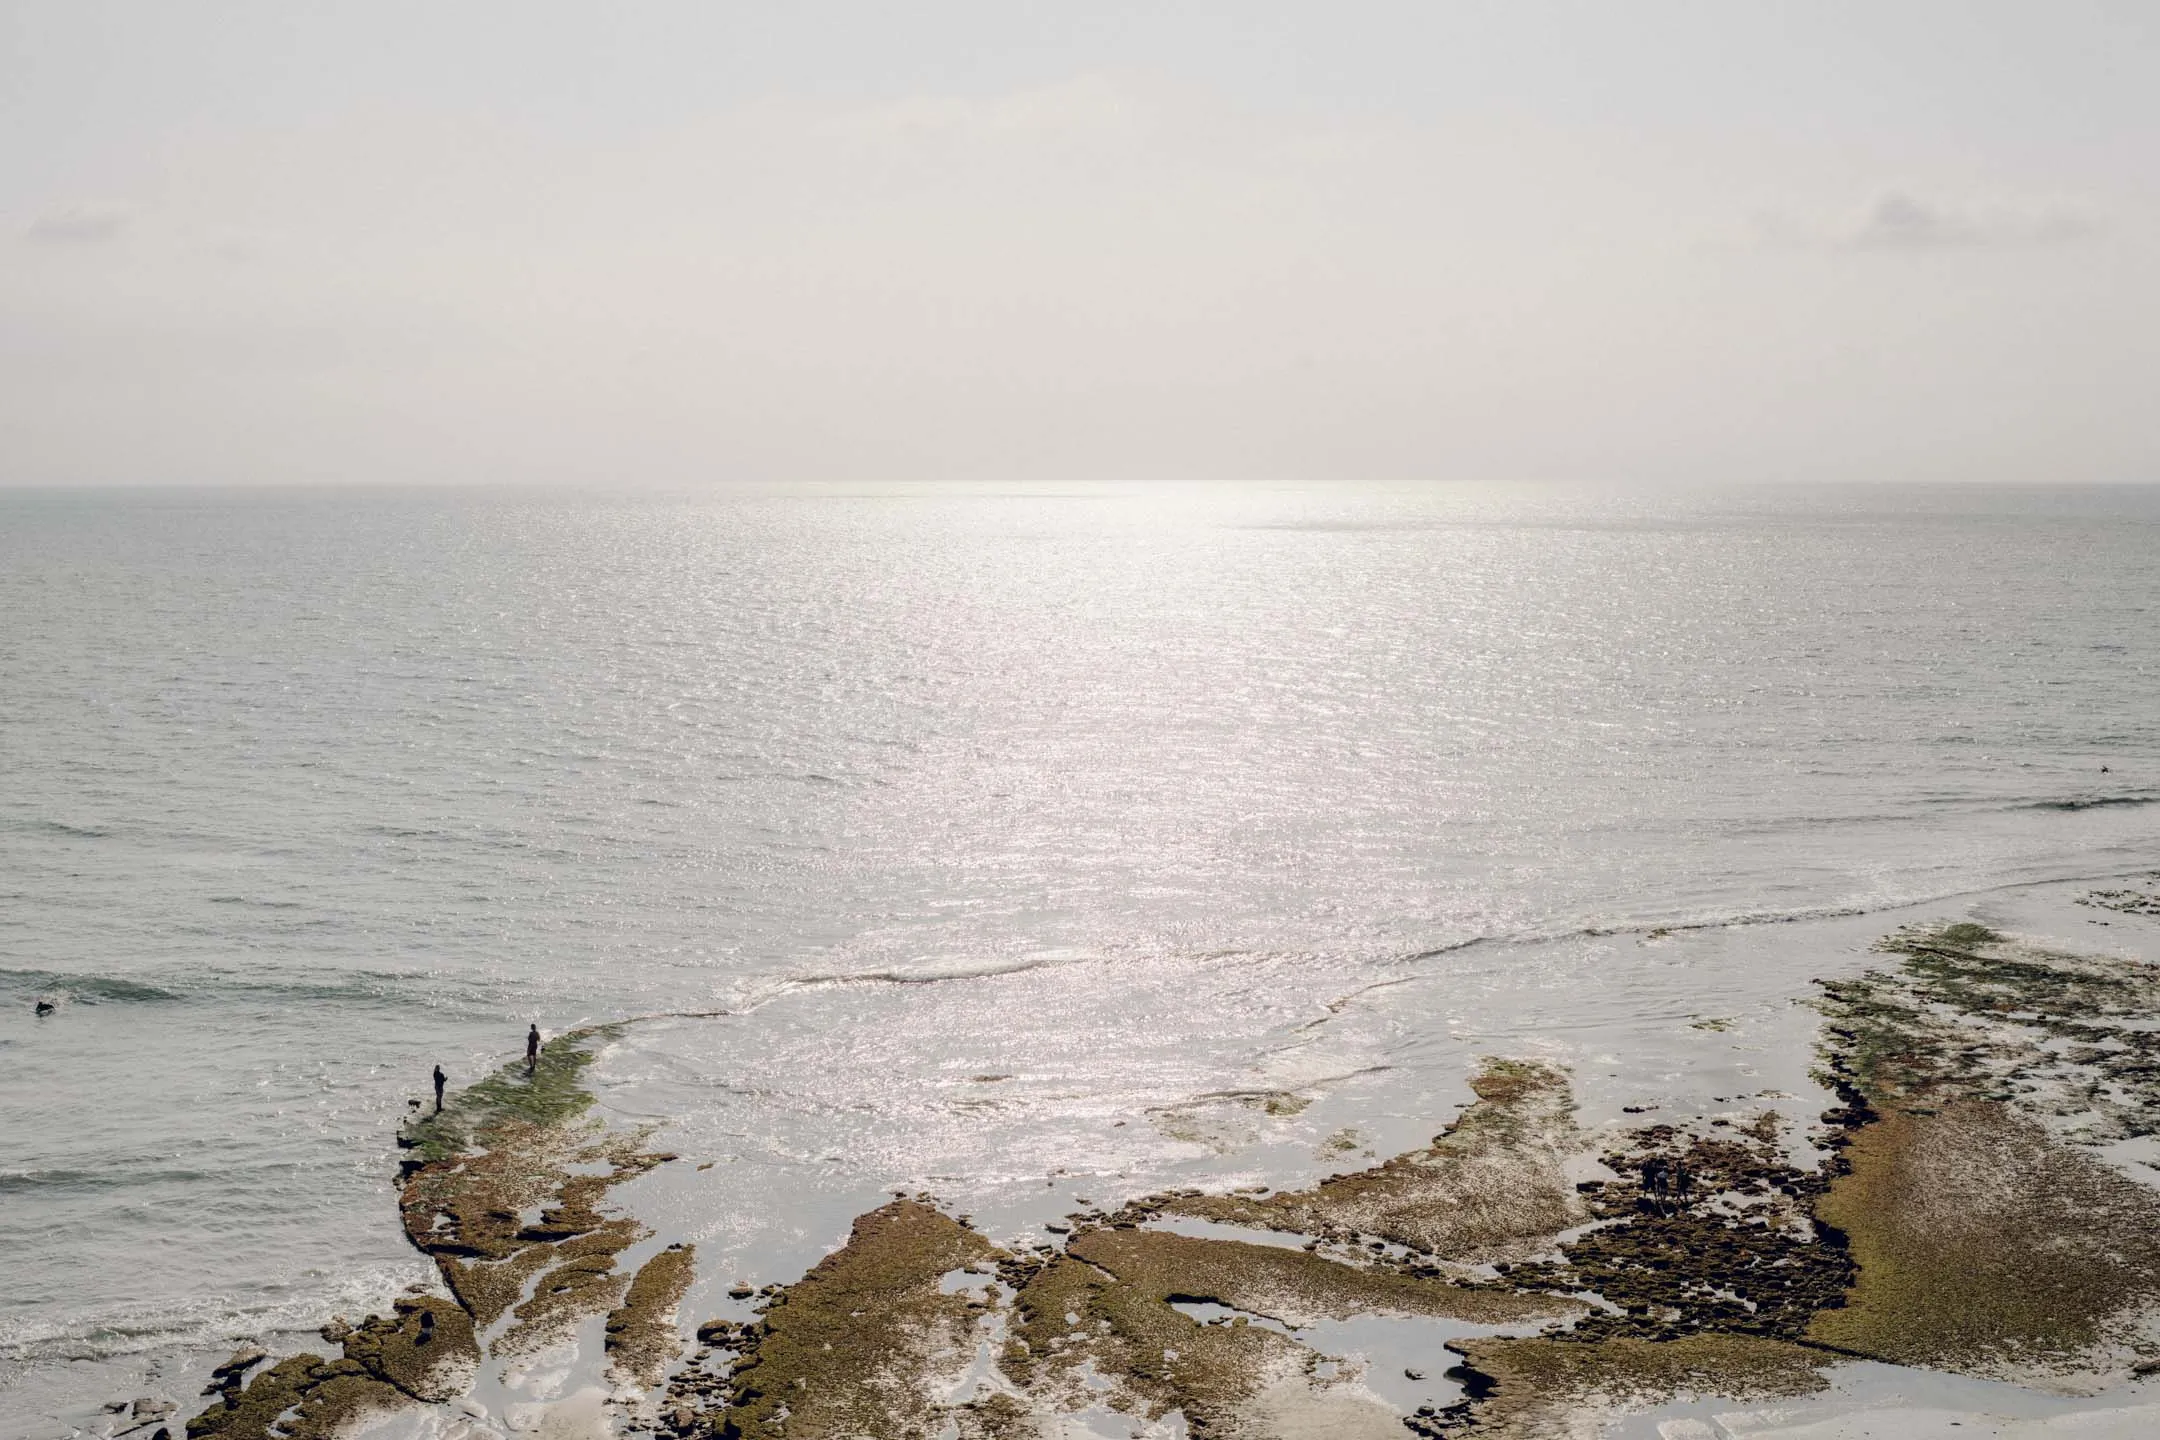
(858, 1341)
(1988, 1239)
(1491, 1186)
(1986, 1245)
(1539, 1389)
(641, 1334)
(326, 1398)
(427, 1350)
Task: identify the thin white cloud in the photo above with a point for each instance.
(1902, 221)
(79, 225)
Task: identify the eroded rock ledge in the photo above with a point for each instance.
(1952, 1216)
(1951, 1212)
(514, 1144)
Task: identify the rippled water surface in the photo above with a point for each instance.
(1111, 793)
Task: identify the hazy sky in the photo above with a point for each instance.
(278, 241)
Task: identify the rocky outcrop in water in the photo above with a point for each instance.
(1951, 1212)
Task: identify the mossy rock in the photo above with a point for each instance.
(1491, 1186)
(1540, 1388)
(641, 1335)
(851, 1348)
(428, 1350)
(1294, 1286)
(303, 1397)
(1987, 1246)
(248, 1413)
(552, 1094)
(1076, 1321)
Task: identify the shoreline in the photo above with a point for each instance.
(558, 1380)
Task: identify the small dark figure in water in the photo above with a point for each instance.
(2103, 769)
(440, 1081)
(427, 1327)
(45, 1007)
(532, 1049)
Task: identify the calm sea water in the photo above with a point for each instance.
(302, 793)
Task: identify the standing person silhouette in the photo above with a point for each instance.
(532, 1048)
(440, 1080)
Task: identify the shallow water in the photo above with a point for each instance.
(1155, 804)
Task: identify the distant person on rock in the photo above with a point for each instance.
(532, 1049)
(1656, 1177)
(440, 1081)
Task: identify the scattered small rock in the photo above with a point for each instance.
(1413, 1374)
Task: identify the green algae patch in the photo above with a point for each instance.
(425, 1353)
(857, 1345)
(550, 1095)
(249, 1413)
(427, 1350)
(1986, 1246)
(1542, 1389)
(641, 1333)
(1988, 1239)
(2067, 1037)
(486, 1289)
(339, 1404)
(1293, 1286)
(581, 1280)
(1077, 1326)
(1491, 1186)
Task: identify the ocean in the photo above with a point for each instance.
(1029, 838)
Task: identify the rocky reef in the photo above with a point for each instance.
(1990, 1237)
(1491, 1185)
(1954, 1210)
(501, 1190)
(1632, 1291)
(423, 1353)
